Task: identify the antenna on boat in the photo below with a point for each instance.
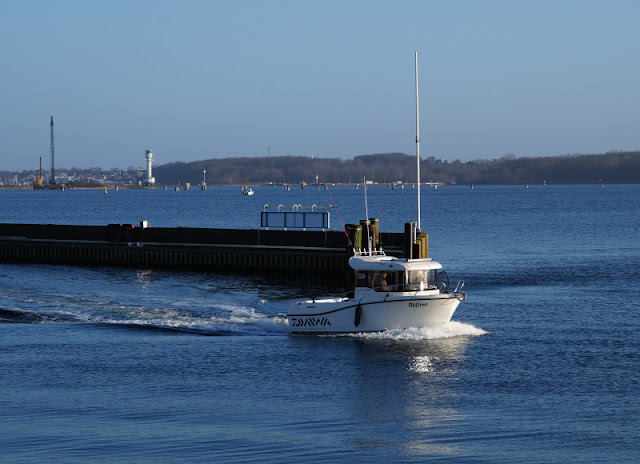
(366, 203)
(418, 141)
(366, 209)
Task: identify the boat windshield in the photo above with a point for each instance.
(420, 280)
(403, 281)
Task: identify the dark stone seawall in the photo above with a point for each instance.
(198, 248)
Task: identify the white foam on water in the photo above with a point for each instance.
(224, 319)
(448, 330)
(249, 320)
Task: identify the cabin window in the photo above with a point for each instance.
(380, 281)
(420, 280)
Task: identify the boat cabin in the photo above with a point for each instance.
(390, 274)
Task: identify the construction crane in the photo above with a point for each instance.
(37, 182)
(52, 177)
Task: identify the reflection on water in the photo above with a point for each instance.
(421, 364)
(409, 385)
(144, 277)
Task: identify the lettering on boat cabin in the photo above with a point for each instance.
(309, 322)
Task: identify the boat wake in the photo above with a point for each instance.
(448, 330)
(222, 320)
(218, 319)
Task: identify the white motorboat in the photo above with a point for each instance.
(391, 293)
(247, 191)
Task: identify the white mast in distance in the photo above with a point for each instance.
(418, 140)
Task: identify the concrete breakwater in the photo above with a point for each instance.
(250, 250)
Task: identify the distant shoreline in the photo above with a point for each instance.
(395, 186)
(97, 187)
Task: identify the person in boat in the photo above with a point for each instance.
(380, 282)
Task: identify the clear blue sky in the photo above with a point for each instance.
(211, 79)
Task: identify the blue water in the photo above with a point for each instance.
(540, 364)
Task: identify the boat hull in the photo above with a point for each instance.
(353, 315)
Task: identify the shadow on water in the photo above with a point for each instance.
(166, 330)
(21, 317)
(283, 284)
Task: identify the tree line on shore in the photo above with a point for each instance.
(613, 167)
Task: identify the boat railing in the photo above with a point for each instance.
(365, 252)
(405, 288)
(413, 287)
(442, 287)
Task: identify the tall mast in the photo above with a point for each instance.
(418, 141)
(52, 178)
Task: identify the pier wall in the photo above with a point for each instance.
(197, 248)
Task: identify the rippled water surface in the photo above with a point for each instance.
(540, 364)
